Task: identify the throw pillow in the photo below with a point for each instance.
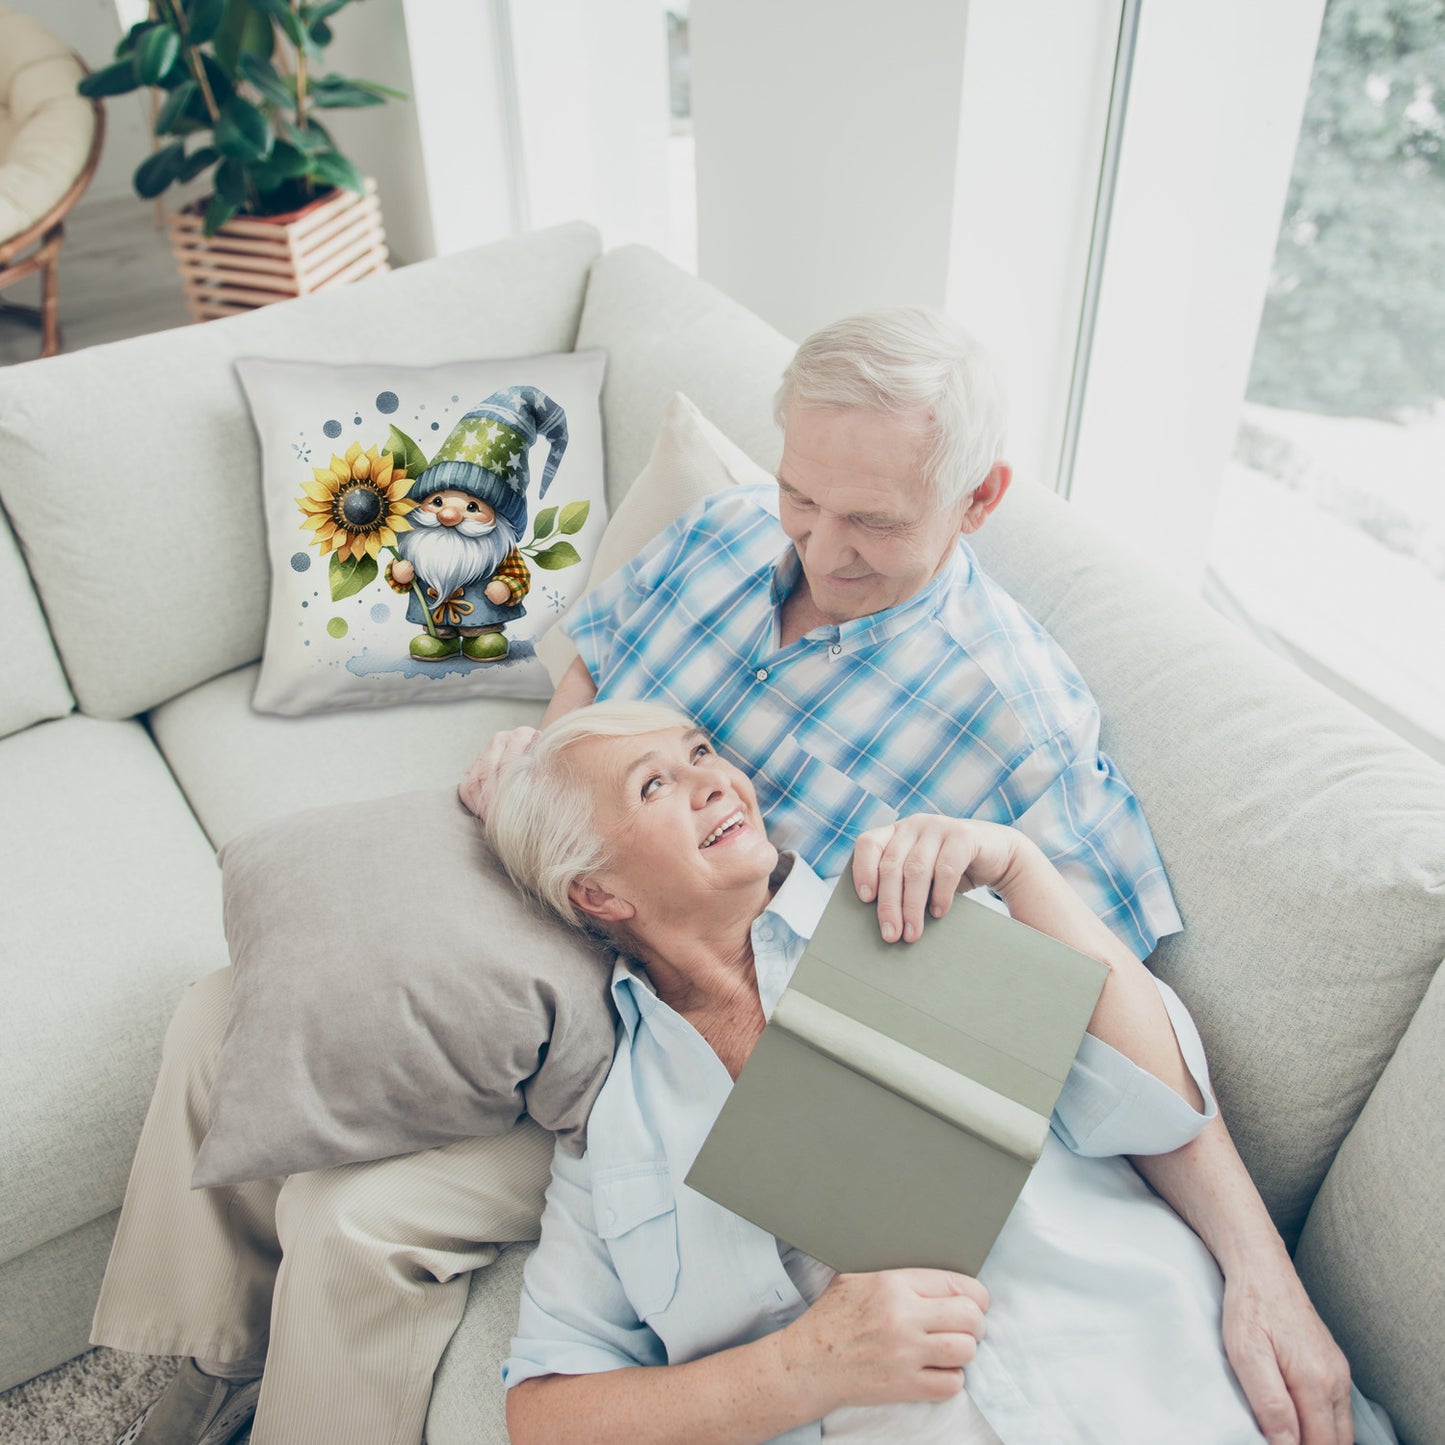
(691, 459)
(393, 992)
(420, 541)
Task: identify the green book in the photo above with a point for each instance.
(900, 1094)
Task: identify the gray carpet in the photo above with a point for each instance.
(86, 1402)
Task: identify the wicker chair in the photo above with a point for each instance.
(50, 140)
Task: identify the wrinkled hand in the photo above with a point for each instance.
(497, 592)
(1295, 1377)
(900, 1334)
(475, 788)
(918, 864)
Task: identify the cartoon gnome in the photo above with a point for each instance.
(470, 515)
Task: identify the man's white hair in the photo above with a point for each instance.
(908, 360)
(542, 821)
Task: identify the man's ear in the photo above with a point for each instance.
(596, 902)
(986, 496)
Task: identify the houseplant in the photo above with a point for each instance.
(239, 85)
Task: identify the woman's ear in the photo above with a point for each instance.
(596, 902)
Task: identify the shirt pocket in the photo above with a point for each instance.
(815, 809)
(636, 1212)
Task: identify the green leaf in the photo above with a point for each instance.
(333, 168)
(323, 11)
(244, 31)
(242, 132)
(557, 556)
(218, 213)
(320, 36)
(197, 161)
(222, 86)
(406, 453)
(313, 140)
(231, 182)
(174, 110)
(543, 523)
(117, 79)
(333, 92)
(377, 88)
(203, 19)
(349, 577)
(157, 52)
(574, 514)
(287, 163)
(157, 171)
(278, 89)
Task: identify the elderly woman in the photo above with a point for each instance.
(653, 1314)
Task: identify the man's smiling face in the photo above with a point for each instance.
(853, 501)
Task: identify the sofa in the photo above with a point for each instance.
(1305, 845)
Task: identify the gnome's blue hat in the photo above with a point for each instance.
(486, 454)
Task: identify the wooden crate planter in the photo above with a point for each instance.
(255, 260)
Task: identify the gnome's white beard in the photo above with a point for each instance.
(446, 558)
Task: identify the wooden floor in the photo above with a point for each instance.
(117, 279)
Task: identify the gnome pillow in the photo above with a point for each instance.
(425, 526)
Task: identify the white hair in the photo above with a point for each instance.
(542, 821)
(908, 360)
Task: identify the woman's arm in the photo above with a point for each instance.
(916, 866)
(903, 1334)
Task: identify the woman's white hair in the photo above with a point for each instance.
(908, 360)
(542, 820)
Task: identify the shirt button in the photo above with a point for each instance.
(761, 674)
(836, 648)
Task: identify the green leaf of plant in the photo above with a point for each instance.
(333, 168)
(203, 19)
(117, 79)
(574, 514)
(557, 556)
(379, 89)
(157, 171)
(322, 11)
(334, 92)
(319, 33)
(157, 52)
(406, 453)
(278, 89)
(222, 85)
(287, 163)
(349, 577)
(197, 161)
(231, 182)
(218, 212)
(313, 140)
(242, 132)
(174, 109)
(244, 31)
(131, 38)
(543, 523)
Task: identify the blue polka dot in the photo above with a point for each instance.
(380, 612)
(332, 429)
(356, 421)
(436, 426)
(300, 561)
(306, 604)
(422, 407)
(387, 403)
(456, 398)
(308, 642)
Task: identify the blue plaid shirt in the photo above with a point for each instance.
(954, 702)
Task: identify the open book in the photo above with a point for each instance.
(900, 1094)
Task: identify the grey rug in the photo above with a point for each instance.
(86, 1402)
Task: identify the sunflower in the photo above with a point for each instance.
(358, 504)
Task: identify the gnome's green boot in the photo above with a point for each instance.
(485, 647)
(426, 648)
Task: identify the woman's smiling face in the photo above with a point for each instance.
(681, 823)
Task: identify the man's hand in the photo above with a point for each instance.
(1295, 1377)
(497, 591)
(475, 788)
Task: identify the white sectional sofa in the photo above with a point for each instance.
(1306, 846)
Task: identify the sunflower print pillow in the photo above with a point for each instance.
(425, 526)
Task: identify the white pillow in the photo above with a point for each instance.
(691, 459)
(340, 633)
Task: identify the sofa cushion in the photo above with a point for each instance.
(1301, 840)
(1372, 1254)
(149, 441)
(664, 332)
(239, 768)
(35, 687)
(339, 635)
(111, 905)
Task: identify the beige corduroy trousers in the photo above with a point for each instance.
(350, 1281)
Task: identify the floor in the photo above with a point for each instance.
(117, 279)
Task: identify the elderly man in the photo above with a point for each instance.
(839, 641)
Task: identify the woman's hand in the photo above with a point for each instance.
(918, 864)
(475, 788)
(900, 1334)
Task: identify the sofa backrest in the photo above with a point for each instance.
(35, 687)
(132, 471)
